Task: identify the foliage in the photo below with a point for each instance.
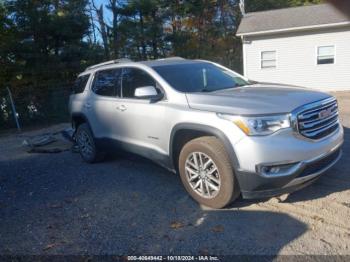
(42, 48)
(149, 29)
(45, 44)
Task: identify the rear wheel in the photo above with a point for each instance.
(207, 173)
(86, 144)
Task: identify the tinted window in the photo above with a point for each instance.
(80, 83)
(107, 82)
(134, 78)
(199, 77)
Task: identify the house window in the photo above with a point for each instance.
(268, 59)
(325, 55)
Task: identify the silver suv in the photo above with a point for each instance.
(224, 135)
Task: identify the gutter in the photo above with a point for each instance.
(293, 29)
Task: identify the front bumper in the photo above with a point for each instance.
(307, 161)
(305, 176)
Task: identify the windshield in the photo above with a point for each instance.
(199, 77)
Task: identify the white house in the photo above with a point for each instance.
(304, 46)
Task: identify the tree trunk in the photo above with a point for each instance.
(103, 30)
(143, 44)
(154, 34)
(113, 4)
(92, 25)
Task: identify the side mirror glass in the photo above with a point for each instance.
(146, 92)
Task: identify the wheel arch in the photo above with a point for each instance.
(184, 132)
(79, 118)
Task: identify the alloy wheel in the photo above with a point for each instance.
(202, 175)
(85, 144)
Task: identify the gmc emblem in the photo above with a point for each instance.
(325, 113)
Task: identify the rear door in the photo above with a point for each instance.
(103, 103)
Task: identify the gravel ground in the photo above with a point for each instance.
(56, 204)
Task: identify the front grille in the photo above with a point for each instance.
(317, 166)
(319, 120)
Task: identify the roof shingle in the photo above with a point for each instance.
(288, 18)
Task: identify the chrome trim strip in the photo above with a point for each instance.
(301, 180)
(294, 118)
(314, 104)
(324, 154)
(315, 133)
(310, 113)
(312, 132)
(309, 124)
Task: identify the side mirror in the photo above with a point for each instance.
(145, 92)
(148, 92)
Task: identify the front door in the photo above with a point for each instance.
(142, 119)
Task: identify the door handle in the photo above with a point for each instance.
(121, 108)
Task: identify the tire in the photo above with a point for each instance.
(86, 144)
(217, 188)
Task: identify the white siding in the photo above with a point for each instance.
(297, 59)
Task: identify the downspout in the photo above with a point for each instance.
(244, 57)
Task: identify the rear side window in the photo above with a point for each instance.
(107, 82)
(80, 83)
(134, 78)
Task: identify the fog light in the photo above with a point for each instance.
(274, 169)
(278, 170)
(270, 169)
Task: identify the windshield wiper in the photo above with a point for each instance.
(206, 90)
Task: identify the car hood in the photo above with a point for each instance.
(257, 99)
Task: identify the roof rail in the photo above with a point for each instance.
(115, 61)
(172, 58)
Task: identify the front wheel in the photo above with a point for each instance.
(207, 173)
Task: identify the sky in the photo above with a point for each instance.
(107, 14)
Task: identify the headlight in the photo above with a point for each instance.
(260, 125)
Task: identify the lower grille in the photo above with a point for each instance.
(317, 166)
(319, 119)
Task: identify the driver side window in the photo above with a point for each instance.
(133, 78)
